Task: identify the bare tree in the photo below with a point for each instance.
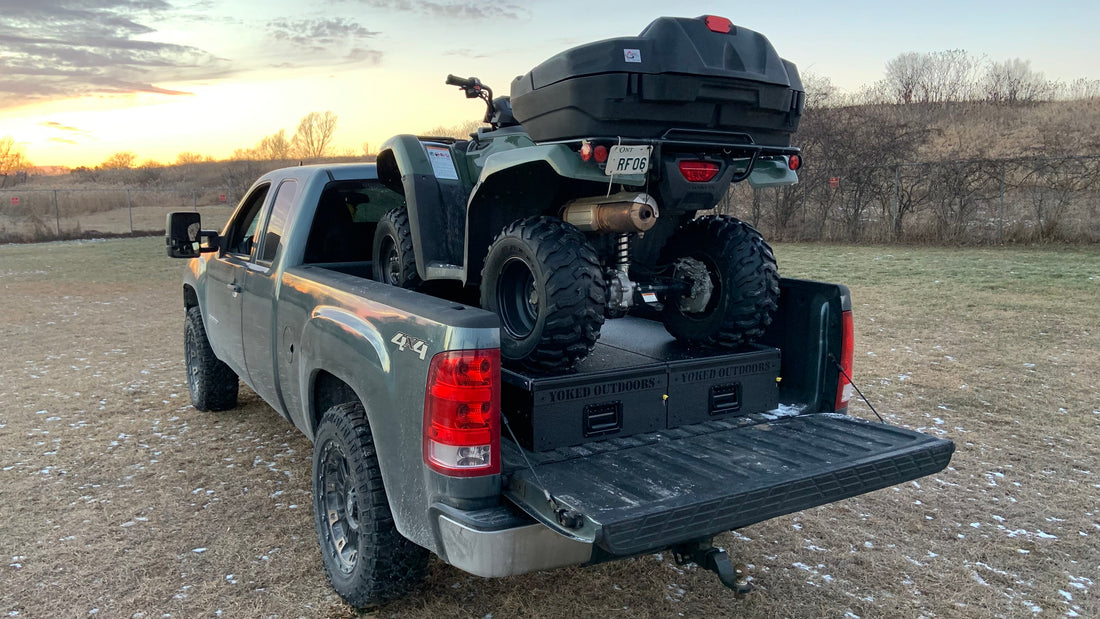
(905, 74)
(13, 162)
(1013, 81)
(188, 158)
(276, 147)
(119, 161)
(313, 139)
(820, 91)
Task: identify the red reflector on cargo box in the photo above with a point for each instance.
(719, 24)
(600, 153)
(794, 162)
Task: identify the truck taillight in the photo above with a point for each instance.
(462, 413)
(699, 171)
(847, 350)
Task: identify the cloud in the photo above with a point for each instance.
(66, 48)
(53, 124)
(64, 141)
(322, 42)
(487, 9)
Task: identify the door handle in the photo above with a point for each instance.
(235, 288)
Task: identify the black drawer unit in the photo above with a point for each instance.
(637, 380)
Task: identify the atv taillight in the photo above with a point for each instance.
(600, 154)
(794, 162)
(719, 24)
(699, 171)
(586, 151)
(462, 413)
(847, 350)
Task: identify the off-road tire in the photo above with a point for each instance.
(213, 385)
(393, 258)
(743, 272)
(375, 564)
(543, 279)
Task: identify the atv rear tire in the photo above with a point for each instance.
(544, 281)
(213, 384)
(393, 260)
(744, 277)
(367, 560)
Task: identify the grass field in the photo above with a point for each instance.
(117, 499)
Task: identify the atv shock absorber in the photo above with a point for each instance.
(620, 290)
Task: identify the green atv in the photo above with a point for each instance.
(578, 202)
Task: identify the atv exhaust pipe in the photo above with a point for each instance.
(624, 212)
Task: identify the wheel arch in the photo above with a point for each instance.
(507, 194)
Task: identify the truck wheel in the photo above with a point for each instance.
(744, 283)
(213, 385)
(394, 262)
(544, 281)
(368, 562)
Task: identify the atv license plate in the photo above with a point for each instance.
(628, 160)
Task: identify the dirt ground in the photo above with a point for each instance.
(118, 499)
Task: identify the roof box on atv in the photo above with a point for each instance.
(700, 74)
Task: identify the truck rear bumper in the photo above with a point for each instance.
(478, 545)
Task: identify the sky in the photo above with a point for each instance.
(82, 79)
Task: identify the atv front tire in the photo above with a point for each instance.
(393, 260)
(367, 560)
(544, 281)
(744, 283)
(213, 384)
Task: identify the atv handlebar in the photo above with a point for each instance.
(454, 80)
(475, 90)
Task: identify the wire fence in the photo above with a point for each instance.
(980, 201)
(31, 215)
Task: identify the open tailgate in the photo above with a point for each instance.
(644, 493)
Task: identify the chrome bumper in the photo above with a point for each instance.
(507, 552)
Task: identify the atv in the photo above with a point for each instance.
(578, 202)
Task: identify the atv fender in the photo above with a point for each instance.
(520, 183)
(436, 206)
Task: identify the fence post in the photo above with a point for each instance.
(897, 205)
(57, 213)
(130, 210)
(194, 201)
(1001, 212)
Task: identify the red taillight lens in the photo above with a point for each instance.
(699, 171)
(847, 351)
(719, 24)
(586, 151)
(794, 162)
(462, 413)
(600, 153)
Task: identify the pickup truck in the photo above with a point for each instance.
(425, 444)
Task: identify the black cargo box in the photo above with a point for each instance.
(678, 74)
(634, 383)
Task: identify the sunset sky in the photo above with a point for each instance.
(81, 79)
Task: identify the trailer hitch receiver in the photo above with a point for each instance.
(708, 557)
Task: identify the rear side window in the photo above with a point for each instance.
(284, 199)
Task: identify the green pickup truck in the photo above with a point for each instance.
(425, 443)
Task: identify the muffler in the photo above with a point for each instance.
(624, 212)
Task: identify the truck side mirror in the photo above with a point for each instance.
(185, 237)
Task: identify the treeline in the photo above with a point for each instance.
(953, 76)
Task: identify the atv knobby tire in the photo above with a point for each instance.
(393, 260)
(744, 277)
(367, 560)
(213, 385)
(544, 281)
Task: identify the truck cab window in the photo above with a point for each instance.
(242, 231)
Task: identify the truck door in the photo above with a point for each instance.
(260, 289)
(224, 276)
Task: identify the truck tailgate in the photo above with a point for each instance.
(645, 493)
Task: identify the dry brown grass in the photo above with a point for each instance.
(110, 482)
